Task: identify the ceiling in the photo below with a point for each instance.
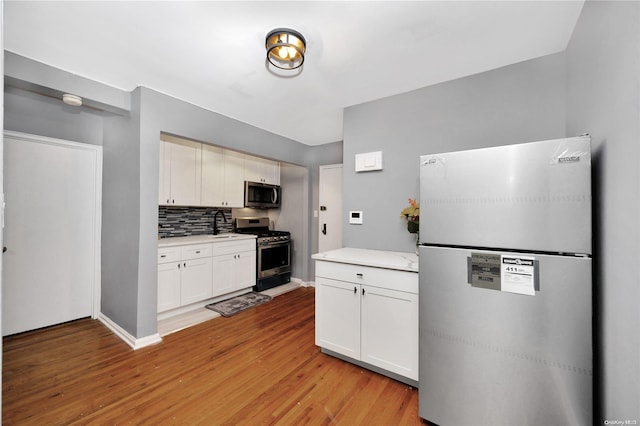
(211, 53)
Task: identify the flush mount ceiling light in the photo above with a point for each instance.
(72, 100)
(285, 48)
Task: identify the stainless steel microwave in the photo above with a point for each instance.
(261, 195)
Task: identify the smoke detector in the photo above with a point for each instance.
(72, 100)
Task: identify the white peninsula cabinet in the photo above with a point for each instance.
(367, 309)
(194, 271)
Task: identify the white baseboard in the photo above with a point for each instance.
(134, 342)
(299, 282)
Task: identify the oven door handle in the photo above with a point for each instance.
(274, 243)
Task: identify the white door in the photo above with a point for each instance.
(52, 231)
(330, 215)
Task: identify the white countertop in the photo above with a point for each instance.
(200, 239)
(376, 258)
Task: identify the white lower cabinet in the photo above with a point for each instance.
(369, 314)
(196, 280)
(169, 278)
(196, 272)
(234, 265)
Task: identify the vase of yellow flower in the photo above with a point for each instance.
(412, 215)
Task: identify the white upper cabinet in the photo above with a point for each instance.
(180, 173)
(196, 174)
(234, 179)
(261, 170)
(222, 174)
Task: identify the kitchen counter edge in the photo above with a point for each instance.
(400, 261)
(201, 239)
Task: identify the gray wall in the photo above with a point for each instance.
(129, 132)
(603, 99)
(518, 103)
(120, 219)
(40, 115)
(293, 216)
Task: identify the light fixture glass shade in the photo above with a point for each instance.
(285, 48)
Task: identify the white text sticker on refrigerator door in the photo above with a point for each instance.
(517, 274)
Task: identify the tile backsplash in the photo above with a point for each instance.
(184, 221)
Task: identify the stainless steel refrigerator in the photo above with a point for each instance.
(505, 285)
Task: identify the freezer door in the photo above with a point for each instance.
(533, 196)
(489, 357)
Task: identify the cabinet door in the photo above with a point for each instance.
(185, 160)
(164, 176)
(272, 172)
(245, 270)
(196, 280)
(261, 170)
(234, 179)
(169, 285)
(213, 178)
(222, 281)
(390, 330)
(338, 316)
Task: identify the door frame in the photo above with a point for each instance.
(97, 230)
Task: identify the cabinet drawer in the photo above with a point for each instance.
(196, 251)
(368, 275)
(169, 254)
(230, 247)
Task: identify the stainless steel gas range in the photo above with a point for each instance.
(273, 251)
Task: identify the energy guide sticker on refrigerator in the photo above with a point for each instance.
(505, 285)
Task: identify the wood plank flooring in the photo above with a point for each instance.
(258, 367)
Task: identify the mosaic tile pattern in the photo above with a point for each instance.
(185, 221)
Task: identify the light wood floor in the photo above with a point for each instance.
(258, 367)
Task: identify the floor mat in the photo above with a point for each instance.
(232, 306)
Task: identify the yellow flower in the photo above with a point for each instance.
(412, 212)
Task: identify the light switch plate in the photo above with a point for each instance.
(369, 161)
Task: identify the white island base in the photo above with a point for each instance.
(367, 310)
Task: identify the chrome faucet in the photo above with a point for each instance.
(216, 231)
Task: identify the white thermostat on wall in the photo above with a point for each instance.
(355, 218)
(369, 161)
